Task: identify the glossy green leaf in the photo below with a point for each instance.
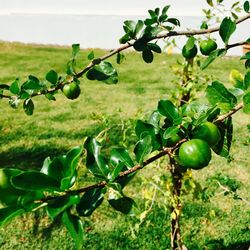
(147, 55)
(227, 28)
(120, 58)
(154, 119)
(246, 6)
(190, 43)
(138, 27)
(75, 227)
(35, 181)
(95, 162)
(165, 10)
(247, 80)
(246, 103)
(154, 47)
(32, 84)
(60, 204)
(169, 110)
(119, 155)
(125, 38)
(75, 50)
(8, 213)
(50, 97)
(169, 132)
(14, 87)
(204, 25)
(91, 55)
(143, 128)
(103, 72)
(217, 94)
(28, 106)
(120, 202)
(212, 56)
(174, 21)
(210, 3)
(90, 201)
(143, 148)
(52, 77)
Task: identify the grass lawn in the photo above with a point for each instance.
(220, 223)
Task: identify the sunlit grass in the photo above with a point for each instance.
(57, 126)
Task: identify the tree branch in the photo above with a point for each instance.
(131, 43)
(230, 113)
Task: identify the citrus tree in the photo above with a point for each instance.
(183, 128)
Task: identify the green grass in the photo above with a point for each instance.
(55, 127)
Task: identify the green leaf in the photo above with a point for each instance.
(28, 106)
(147, 55)
(32, 84)
(212, 56)
(90, 201)
(140, 44)
(35, 181)
(120, 58)
(60, 204)
(121, 155)
(14, 87)
(142, 148)
(246, 6)
(174, 21)
(143, 128)
(165, 10)
(120, 202)
(138, 27)
(91, 55)
(75, 50)
(154, 47)
(52, 77)
(246, 103)
(227, 28)
(210, 3)
(204, 26)
(103, 72)
(50, 97)
(6, 214)
(246, 56)
(190, 43)
(125, 39)
(70, 164)
(95, 162)
(247, 80)
(154, 119)
(169, 110)
(217, 94)
(169, 132)
(75, 227)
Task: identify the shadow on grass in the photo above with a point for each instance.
(29, 158)
(220, 245)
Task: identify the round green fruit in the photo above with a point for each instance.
(208, 132)
(191, 53)
(195, 154)
(207, 46)
(71, 90)
(170, 142)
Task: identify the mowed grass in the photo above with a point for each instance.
(111, 110)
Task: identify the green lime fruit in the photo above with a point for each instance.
(170, 142)
(191, 53)
(195, 154)
(71, 90)
(208, 132)
(207, 46)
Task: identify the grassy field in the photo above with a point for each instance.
(221, 223)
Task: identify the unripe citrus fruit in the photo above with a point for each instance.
(208, 132)
(191, 53)
(195, 154)
(71, 90)
(207, 46)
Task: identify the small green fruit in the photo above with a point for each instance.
(207, 46)
(71, 90)
(208, 132)
(188, 54)
(195, 154)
